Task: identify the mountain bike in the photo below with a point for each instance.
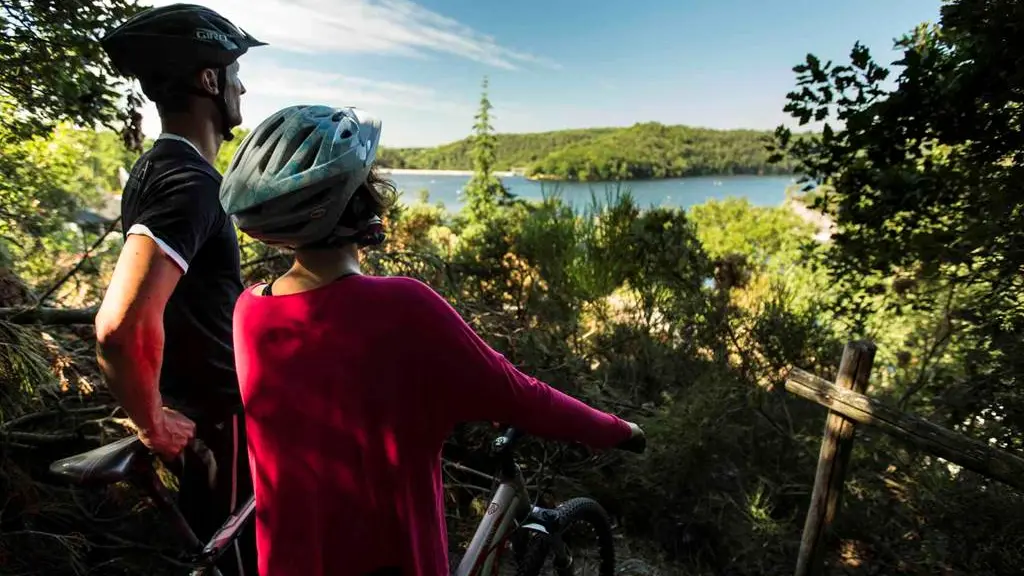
(511, 522)
(533, 534)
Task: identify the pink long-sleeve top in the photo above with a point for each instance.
(349, 392)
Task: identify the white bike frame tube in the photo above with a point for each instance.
(508, 508)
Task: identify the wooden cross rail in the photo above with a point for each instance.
(959, 449)
(849, 406)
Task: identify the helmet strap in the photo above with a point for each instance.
(220, 100)
(372, 233)
(369, 233)
(222, 103)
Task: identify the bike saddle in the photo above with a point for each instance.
(107, 464)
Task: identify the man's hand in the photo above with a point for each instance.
(169, 435)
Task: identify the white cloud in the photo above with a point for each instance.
(325, 27)
(270, 87)
(369, 26)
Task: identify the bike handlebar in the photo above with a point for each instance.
(505, 444)
(636, 444)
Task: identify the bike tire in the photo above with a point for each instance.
(573, 511)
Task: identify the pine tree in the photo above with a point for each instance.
(484, 190)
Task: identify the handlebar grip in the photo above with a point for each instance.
(636, 444)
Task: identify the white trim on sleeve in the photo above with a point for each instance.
(143, 230)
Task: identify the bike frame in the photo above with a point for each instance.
(509, 510)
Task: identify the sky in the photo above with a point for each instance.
(551, 64)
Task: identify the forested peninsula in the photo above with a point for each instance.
(642, 151)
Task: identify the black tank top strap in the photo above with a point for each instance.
(269, 291)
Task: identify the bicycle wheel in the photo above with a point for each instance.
(582, 524)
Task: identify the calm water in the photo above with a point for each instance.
(676, 192)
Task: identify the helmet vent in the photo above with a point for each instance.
(288, 154)
(268, 130)
(240, 153)
(265, 159)
(309, 154)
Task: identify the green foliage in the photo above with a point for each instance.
(45, 181)
(52, 68)
(228, 149)
(762, 234)
(648, 150)
(924, 186)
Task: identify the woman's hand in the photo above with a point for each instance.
(637, 441)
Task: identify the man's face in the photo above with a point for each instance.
(233, 95)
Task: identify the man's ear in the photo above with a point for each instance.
(208, 81)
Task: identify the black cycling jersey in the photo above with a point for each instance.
(172, 196)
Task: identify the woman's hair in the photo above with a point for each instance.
(374, 197)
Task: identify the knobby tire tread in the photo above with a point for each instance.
(585, 510)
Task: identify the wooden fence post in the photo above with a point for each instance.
(836, 446)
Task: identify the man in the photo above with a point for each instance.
(164, 327)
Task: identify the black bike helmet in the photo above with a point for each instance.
(163, 46)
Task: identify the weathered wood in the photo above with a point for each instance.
(836, 446)
(972, 454)
(51, 316)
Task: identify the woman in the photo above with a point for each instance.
(351, 383)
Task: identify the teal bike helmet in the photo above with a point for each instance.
(292, 177)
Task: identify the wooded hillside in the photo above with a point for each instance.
(648, 150)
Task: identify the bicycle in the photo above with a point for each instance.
(533, 534)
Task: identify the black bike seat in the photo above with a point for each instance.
(107, 464)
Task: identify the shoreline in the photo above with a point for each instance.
(432, 172)
(545, 177)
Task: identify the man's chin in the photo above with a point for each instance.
(235, 120)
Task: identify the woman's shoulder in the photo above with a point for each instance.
(401, 287)
(390, 290)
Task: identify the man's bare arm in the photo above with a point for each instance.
(130, 329)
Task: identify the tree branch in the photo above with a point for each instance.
(50, 316)
(88, 253)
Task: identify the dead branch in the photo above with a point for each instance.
(21, 420)
(50, 316)
(88, 254)
(468, 470)
(37, 439)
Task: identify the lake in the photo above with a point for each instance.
(675, 192)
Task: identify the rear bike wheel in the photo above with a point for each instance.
(581, 525)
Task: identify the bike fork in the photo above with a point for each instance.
(561, 555)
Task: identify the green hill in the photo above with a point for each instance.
(649, 150)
